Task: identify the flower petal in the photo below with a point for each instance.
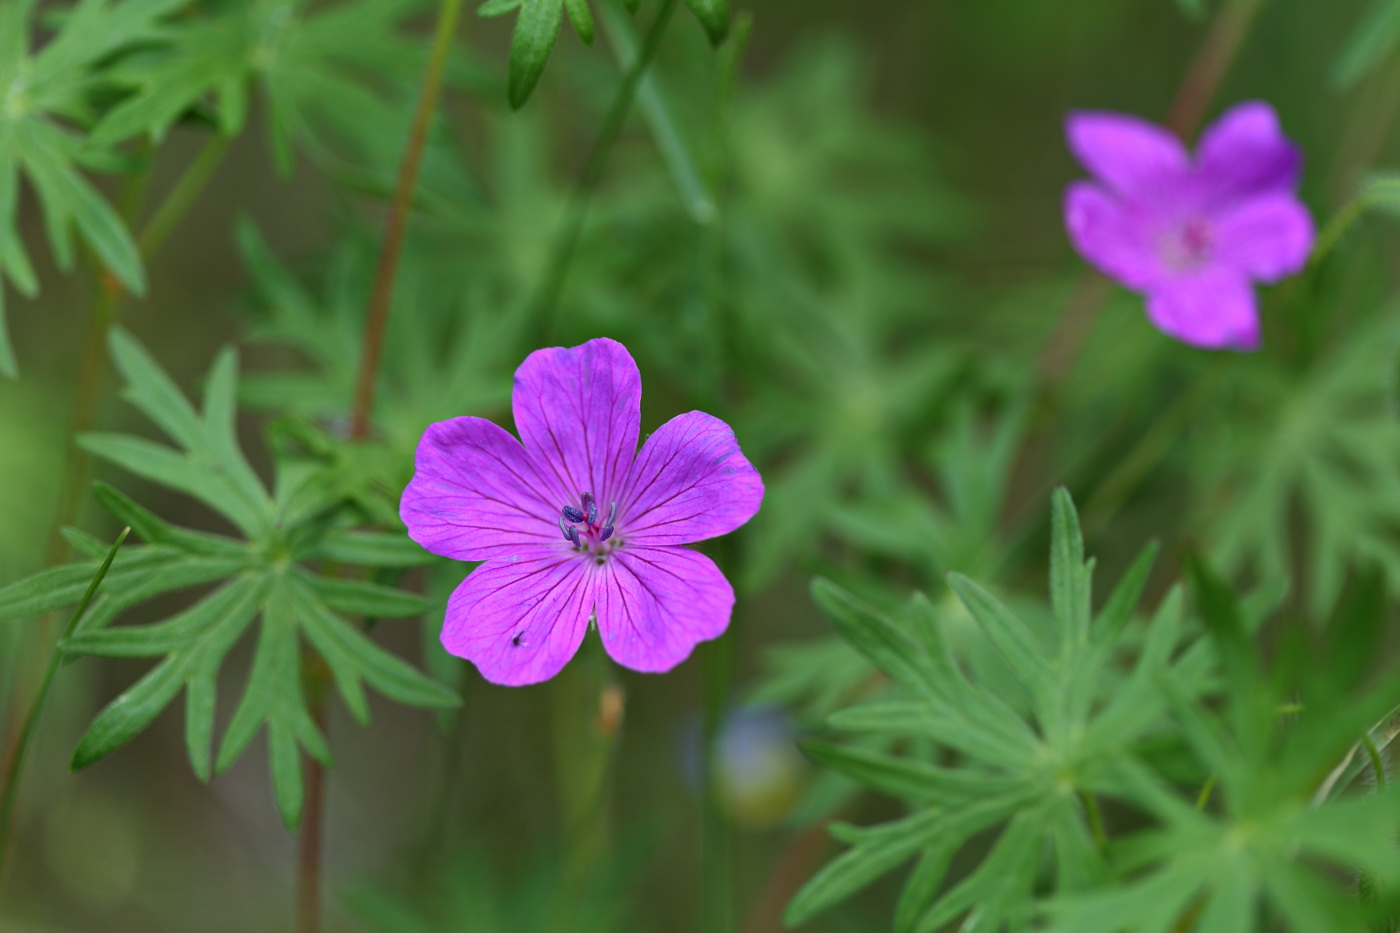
(1128, 153)
(1268, 237)
(475, 493)
(655, 604)
(1113, 236)
(690, 482)
(521, 619)
(1245, 153)
(578, 410)
(1215, 310)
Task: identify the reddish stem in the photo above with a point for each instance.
(380, 298)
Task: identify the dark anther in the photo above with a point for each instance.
(572, 514)
(591, 507)
(573, 536)
(608, 528)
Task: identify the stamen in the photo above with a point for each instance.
(572, 514)
(591, 507)
(608, 528)
(573, 536)
(568, 530)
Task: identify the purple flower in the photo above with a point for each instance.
(577, 524)
(1192, 234)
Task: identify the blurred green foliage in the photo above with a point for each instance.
(837, 228)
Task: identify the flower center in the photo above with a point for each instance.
(581, 528)
(1188, 246)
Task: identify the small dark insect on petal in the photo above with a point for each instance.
(518, 640)
(572, 514)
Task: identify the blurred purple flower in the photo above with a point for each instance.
(575, 524)
(1193, 235)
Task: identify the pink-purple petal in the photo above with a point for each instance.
(1268, 237)
(521, 619)
(578, 411)
(475, 493)
(1112, 236)
(1214, 310)
(1244, 153)
(1129, 154)
(690, 482)
(655, 604)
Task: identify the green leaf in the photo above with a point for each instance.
(264, 579)
(906, 778)
(873, 635)
(876, 854)
(352, 655)
(1010, 635)
(274, 697)
(195, 643)
(1070, 579)
(371, 549)
(498, 7)
(655, 106)
(1372, 40)
(358, 597)
(59, 587)
(156, 531)
(581, 19)
(530, 45)
(714, 16)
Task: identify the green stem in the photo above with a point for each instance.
(183, 196)
(15, 769)
(546, 298)
(1377, 762)
(717, 902)
(1207, 789)
(1095, 817)
(587, 727)
(1151, 447)
(1342, 221)
(377, 321)
(311, 834)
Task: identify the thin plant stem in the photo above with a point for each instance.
(542, 306)
(1151, 447)
(1207, 789)
(1377, 761)
(588, 714)
(311, 833)
(381, 297)
(717, 905)
(1095, 817)
(1207, 72)
(15, 768)
(716, 840)
(183, 196)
